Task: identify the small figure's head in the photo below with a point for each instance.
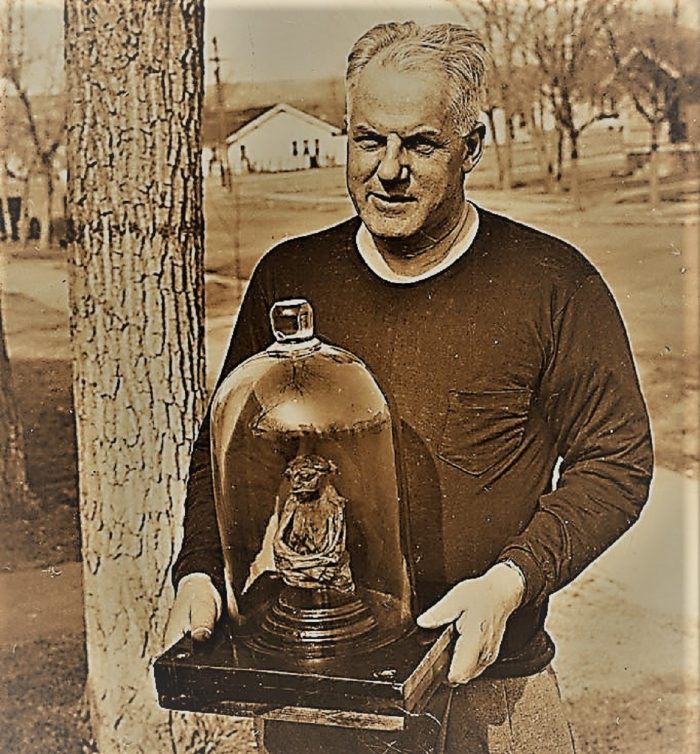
(306, 472)
(413, 98)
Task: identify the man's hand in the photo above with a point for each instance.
(479, 608)
(195, 611)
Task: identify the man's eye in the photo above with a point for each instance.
(421, 146)
(368, 142)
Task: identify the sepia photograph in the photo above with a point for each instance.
(349, 377)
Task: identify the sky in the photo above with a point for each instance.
(270, 39)
(303, 40)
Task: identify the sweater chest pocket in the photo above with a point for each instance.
(483, 429)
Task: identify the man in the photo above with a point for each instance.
(503, 351)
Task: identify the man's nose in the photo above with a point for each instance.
(392, 166)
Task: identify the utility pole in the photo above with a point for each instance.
(220, 106)
(675, 15)
(226, 176)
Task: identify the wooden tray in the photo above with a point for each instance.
(377, 689)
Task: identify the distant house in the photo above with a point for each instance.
(282, 137)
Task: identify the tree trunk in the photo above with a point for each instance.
(498, 148)
(560, 158)
(16, 498)
(574, 173)
(5, 222)
(134, 77)
(654, 196)
(23, 222)
(539, 140)
(507, 182)
(46, 208)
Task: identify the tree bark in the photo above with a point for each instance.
(134, 76)
(16, 498)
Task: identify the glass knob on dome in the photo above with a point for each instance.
(292, 320)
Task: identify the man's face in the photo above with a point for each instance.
(406, 157)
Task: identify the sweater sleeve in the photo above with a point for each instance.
(593, 406)
(201, 547)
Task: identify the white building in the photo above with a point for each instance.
(284, 138)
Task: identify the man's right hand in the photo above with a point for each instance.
(195, 611)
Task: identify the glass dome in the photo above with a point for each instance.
(307, 498)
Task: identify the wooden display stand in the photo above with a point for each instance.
(378, 689)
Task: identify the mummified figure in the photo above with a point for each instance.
(309, 545)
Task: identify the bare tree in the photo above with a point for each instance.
(44, 135)
(648, 53)
(504, 24)
(135, 206)
(515, 85)
(535, 114)
(570, 44)
(16, 497)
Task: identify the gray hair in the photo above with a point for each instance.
(453, 48)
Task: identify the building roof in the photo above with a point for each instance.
(640, 58)
(640, 54)
(269, 113)
(324, 98)
(230, 122)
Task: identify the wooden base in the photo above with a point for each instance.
(378, 689)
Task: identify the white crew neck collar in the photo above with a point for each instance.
(376, 262)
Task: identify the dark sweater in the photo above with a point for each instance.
(512, 357)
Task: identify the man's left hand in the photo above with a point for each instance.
(479, 609)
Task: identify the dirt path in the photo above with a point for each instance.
(633, 614)
(35, 306)
(41, 604)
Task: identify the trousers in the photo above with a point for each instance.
(486, 716)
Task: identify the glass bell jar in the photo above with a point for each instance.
(306, 485)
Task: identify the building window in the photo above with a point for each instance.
(306, 146)
(317, 147)
(295, 150)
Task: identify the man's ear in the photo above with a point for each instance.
(474, 142)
